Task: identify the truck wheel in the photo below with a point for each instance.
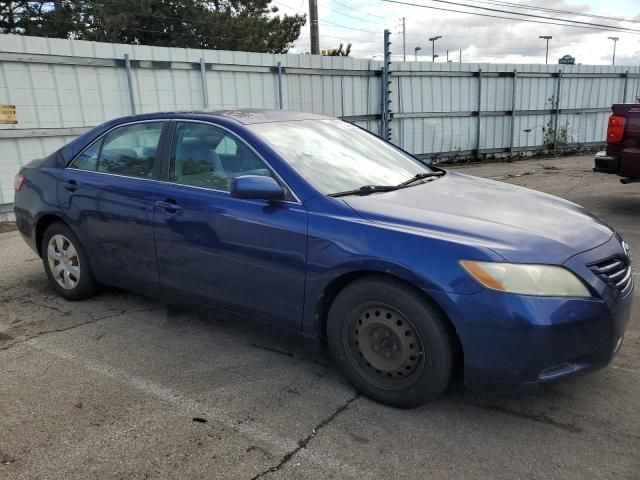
(66, 264)
(390, 342)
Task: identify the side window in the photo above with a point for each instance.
(208, 156)
(131, 150)
(88, 159)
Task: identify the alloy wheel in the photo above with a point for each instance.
(64, 261)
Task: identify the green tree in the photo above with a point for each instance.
(44, 19)
(251, 25)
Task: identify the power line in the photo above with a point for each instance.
(338, 25)
(338, 12)
(358, 18)
(554, 10)
(511, 12)
(356, 10)
(508, 18)
(473, 37)
(103, 27)
(306, 36)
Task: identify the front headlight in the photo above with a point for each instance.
(542, 280)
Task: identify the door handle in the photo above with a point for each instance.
(169, 205)
(71, 185)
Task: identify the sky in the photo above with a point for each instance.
(481, 39)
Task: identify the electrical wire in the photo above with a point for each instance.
(338, 25)
(610, 29)
(511, 12)
(554, 10)
(357, 18)
(102, 27)
(356, 10)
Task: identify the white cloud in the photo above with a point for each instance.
(481, 39)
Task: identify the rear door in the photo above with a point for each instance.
(247, 256)
(109, 192)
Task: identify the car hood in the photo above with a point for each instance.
(519, 224)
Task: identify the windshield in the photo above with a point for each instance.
(335, 156)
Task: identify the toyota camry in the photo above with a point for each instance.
(408, 272)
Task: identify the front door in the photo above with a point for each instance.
(247, 256)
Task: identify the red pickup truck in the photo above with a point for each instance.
(622, 156)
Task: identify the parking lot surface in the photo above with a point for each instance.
(122, 386)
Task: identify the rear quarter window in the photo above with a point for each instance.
(130, 150)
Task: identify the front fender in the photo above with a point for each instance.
(342, 245)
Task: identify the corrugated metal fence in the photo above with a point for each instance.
(457, 110)
(61, 88)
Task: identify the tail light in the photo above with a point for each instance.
(18, 181)
(615, 131)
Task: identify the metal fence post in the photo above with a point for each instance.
(557, 112)
(626, 83)
(385, 129)
(127, 65)
(383, 101)
(341, 96)
(203, 76)
(513, 111)
(479, 113)
(280, 101)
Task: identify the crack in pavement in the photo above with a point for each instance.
(289, 354)
(71, 327)
(305, 441)
(535, 417)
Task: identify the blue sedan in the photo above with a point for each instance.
(408, 272)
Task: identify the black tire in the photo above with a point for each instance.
(414, 373)
(85, 286)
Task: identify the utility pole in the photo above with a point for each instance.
(313, 23)
(447, 55)
(404, 41)
(433, 47)
(615, 41)
(415, 52)
(547, 38)
(460, 55)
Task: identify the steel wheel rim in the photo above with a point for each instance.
(64, 261)
(384, 346)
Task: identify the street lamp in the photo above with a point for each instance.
(547, 38)
(615, 40)
(415, 52)
(433, 47)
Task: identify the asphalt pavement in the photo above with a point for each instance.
(122, 386)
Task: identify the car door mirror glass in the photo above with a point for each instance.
(256, 187)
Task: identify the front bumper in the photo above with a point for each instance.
(516, 341)
(604, 163)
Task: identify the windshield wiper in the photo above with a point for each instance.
(367, 190)
(421, 176)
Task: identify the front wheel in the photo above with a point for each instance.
(390, 342)
(66, 264)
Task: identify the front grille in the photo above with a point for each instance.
(616, 273)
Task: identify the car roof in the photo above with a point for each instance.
(248, 116)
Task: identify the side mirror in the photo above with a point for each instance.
(256, 187)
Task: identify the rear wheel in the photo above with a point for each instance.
(390, 342)
(66, 264)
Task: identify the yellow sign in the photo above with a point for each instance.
(8, 114)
